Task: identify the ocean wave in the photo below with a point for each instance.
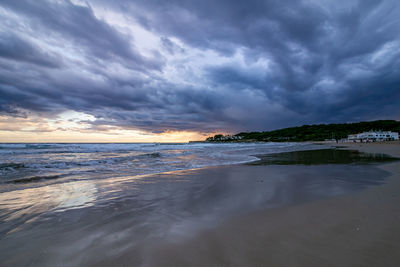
(33, 179)
(149, 155)
(11, 166)
(41, 146)
(80, 162)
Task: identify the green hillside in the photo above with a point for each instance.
(317, 132)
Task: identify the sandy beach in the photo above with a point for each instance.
(362, 229)
(301, 214)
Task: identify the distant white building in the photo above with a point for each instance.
(373, 136)
(230, 138)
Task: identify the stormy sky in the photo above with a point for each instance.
(154, 67)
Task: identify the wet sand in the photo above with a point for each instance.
(361, 229)
(242, 215)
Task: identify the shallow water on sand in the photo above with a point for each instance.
(90, 222)
(322, 156)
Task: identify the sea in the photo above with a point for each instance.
(28, 164)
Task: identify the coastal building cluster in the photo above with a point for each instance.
(373, 136)
(296, 135)
(220, 137)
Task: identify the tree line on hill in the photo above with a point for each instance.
(317, 132)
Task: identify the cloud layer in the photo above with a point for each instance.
(201, 66)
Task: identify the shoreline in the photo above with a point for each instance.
(44, 180)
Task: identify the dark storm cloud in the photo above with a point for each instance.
(277, 63)
(237, 78)
(15, 48)
(80, 25)
(170, 46)
(43, 90)
(307, 44)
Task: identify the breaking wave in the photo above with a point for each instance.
(33, 179)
